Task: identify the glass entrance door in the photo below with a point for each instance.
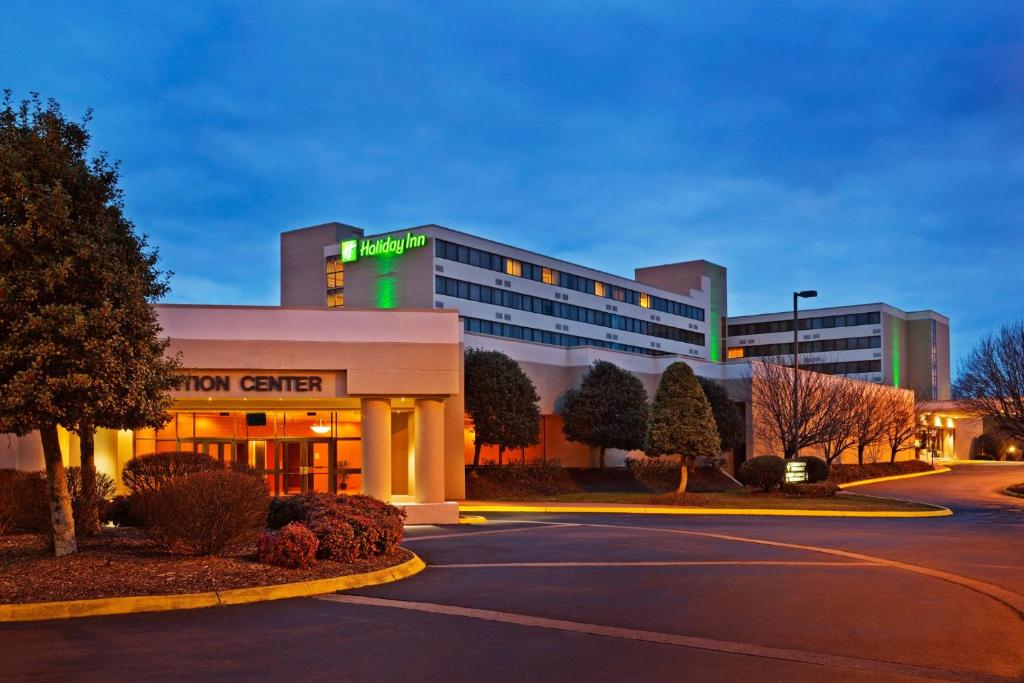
(307, 466)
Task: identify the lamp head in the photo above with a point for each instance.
(807, 293)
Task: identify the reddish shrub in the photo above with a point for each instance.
(824, 489)
(294, 546)
(24, 502)
(207, 513)
(348, 527)
(149, 472)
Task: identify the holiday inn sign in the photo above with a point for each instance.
(352, 250)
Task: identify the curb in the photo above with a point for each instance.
(70, 609)
(895, 477)
(937, 511)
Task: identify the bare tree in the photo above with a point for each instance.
(839, 424)
(991, 379)
(900, 419)
(772, 401)
(870, 417)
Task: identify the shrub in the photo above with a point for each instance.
(842, 473)
(825, 489)
(23, 502)
(348, 527)
(294, 546)
(817, 469)
(765, 472)
(105, 489)
(120, 511)
(149, 472)
(207, 513)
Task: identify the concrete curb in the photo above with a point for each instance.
(895, 477)
(40, 611)
(937, 511)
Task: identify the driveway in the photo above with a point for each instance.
(618, 597)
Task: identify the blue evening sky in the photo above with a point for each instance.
(871, 150)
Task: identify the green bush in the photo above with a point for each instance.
(817, 469)
(765, 472)
(149, 472)
(207, 513)
(824, 489)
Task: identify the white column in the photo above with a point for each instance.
(429, 450)
(376, 444)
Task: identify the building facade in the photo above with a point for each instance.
(557, 318)
(315, 400)
(870, 342)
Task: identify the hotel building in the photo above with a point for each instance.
(870, 342)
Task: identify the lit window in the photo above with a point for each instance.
(645, 300)
(513, 267)
(548, 276)
(335, 271)
(736, 352)
(336, 299)
(600, 289)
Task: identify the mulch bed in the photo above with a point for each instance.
(516, 482)
(123, 562)
(1016, 488)
(842, 474)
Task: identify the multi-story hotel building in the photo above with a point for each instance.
(556, 318)
(870, 342)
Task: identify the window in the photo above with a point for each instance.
(335, 272)
(335, 299)
(513, 267)
(645, 299)
(600, 289)
(548, 276)
(736, 352)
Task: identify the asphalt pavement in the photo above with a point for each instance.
(618, 597)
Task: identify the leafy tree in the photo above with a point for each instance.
(501, 401)
(681, 421)
(609, 410)
(79, 346)
(728, 419)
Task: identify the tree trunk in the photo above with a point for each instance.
(57, 488)
(88, 523)
(476, 453)
(600, 458)
(860, 455)
(892, 454)
(684, 475)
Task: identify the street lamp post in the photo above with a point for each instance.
(805, 294)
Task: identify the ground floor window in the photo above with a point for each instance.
(296, 451)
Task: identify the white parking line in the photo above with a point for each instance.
(725, 646)
(470, 534)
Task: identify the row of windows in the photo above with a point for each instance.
(820, 323)
(852, 367)
(335, 271)
(534, 304)
(814, 346)
(499, 329)
(529, 271)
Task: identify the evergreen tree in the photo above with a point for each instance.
(728, 418)
(79, 344)
(608, 410)
(501, 401)
(681, 422)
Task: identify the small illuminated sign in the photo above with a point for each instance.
(353, 250)
(796, 472)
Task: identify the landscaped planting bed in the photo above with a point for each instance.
(844, 474)
(124, 562)
(1016, 489)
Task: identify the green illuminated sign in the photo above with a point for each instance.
(352, 250)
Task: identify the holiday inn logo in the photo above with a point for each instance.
(353, 250)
